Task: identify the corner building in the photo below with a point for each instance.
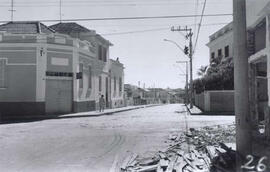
(59, 69)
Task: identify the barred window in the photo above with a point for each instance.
(104, 53)
(114, 84)
(100, 83)
(212, 55)
(120, 84)
(100, 52)
(2, 73)
(219, 52)
(81, 71)
(227, 51)
(90, 77)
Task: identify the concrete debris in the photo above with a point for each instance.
(207, 149)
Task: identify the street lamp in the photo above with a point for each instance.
(175, 44)
(186, 68)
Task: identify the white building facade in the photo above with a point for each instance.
(44, 71)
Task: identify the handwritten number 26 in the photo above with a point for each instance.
(260, 166)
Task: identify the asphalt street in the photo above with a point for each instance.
(93, 144)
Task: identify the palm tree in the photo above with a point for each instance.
(202, 70)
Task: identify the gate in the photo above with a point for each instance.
(58, 96)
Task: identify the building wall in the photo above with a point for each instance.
(226, 39)
(87, 99)
(19, 93)
(253, 8)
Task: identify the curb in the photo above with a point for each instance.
(47, 117)
(210, 113)
(103, 114)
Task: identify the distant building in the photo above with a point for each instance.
(49, 70)
(221, 43)
(134, 95)
(116, 74)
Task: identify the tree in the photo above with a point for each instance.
(219, 76)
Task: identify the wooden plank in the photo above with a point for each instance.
(159, 169)
(164, 163)
(161, 155)
(211, 150)
(132, 161)
(171, 164)
(125, 162)
(148, 168)
(190, 163)
(180, 164)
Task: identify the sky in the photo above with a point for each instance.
(139, 44)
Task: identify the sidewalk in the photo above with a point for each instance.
(105, 112)
(193, 111)
(74, 115)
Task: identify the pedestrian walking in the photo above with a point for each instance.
(101, 103)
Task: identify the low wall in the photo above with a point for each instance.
(199, 100)
(216, 101)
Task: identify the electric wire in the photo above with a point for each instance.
(199, 27)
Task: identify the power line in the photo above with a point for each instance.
(96, 3)
(129, 18)
(99, 1)
(138, 31)
(199, 27)
(195, 18)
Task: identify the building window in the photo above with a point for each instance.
(2, 73)
(114, 84)
(104, 53)
(100, 83)
(219, 52)
(100, 52)
(81, 73)
(90, 77)
(227, 51)
(212, 55)
(120, 84)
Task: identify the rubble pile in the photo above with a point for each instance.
(198, 150)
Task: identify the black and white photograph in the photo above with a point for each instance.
(134, 85)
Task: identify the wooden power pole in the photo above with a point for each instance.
(241, 84)
(189, 35)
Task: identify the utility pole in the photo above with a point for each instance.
(241, 84)
(186, 82)
(60, 11)
(189, 35)
(186, 88)
(12, 10)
